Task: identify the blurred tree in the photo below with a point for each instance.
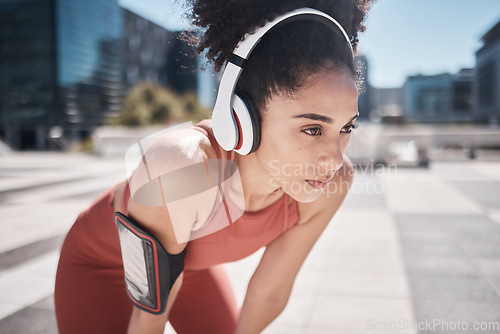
(148, 103)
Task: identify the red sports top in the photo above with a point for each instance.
(241, 238)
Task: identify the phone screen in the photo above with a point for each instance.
(138, 262)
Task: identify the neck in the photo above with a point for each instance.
(258, 185)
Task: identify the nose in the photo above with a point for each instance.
(330, 159)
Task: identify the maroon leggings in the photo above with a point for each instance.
(90, 294)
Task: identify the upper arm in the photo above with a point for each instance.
(160, 184)
(282, 259)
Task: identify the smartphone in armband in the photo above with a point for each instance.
(150, 271)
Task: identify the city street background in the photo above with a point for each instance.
(414, 249)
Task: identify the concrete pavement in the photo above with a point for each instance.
(410, 251)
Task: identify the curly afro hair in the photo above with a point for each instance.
(285, 57)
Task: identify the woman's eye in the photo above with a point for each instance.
(313, 131)
(349, 128)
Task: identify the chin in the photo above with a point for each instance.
(304, 198)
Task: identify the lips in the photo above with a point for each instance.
(321, 183)
(317, 184)
(323, 180)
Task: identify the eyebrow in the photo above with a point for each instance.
(322, 118)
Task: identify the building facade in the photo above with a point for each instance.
(29, 72)
(67, 64)
(89, 62)
(146, 46)
(154, 54)
(387, 104)
(486, 85)
(462, 96)
(427, 98)
(61, 66)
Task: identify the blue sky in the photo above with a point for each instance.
(403, 37)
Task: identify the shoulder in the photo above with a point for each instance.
(332, 197)
(207, 146)
(169, 172)
(163, 152)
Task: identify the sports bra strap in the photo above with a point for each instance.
(125, 198)
(215, 145)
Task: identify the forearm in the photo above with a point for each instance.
(257, 313)
(144, 322)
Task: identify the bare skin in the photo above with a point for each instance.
(292, 150)
(285, 150)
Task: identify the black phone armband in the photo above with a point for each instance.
(150, 271)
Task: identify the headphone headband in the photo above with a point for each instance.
(250, 41)
(225, 126)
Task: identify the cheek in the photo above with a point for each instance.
(284, 153)
(279, 144)
(344, 142)
(286, 166)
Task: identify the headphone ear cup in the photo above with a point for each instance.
(254, 118)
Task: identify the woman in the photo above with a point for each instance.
(302, 83)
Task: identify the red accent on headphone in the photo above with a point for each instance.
(240, 132)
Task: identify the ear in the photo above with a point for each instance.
(247, 106)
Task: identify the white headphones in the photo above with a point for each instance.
(235, 122)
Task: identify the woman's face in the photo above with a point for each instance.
(304, 137)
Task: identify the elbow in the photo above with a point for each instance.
(277, 294)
